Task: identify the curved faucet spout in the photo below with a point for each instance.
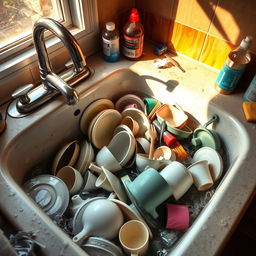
(56, 82)
(65, 36)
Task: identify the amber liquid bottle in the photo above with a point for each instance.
(133, 36)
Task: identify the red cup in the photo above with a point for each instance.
(177, 217)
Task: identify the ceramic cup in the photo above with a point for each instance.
(132, 124)
(106, 158)
(164, 153)
(149, 190)
(177, 217)
(102, 182)
(100, 218)
(134, 237)
(72, 178)
(178, 178)
(201, 175)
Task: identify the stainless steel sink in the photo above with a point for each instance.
(36, 138)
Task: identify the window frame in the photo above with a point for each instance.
(83, 24)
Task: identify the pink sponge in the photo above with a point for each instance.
(177, 217)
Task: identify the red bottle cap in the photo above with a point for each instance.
(134, 16)
(169, 139)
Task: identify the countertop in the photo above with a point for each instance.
(199, 81)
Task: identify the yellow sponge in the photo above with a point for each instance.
(250, 111)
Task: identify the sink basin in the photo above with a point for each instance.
(36, 138)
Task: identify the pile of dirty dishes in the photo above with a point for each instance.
(123, 138)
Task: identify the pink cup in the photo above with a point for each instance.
(177, 217)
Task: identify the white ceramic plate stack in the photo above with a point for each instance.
(93, 110)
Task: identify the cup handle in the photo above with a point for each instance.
(93, 167)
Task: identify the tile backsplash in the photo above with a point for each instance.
(205, 30)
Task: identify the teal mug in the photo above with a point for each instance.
(148, 190)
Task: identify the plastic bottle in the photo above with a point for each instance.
(234, 67)
(110, 38)
(133, 36)
(250, 93)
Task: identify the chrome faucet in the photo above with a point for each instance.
(29, 99)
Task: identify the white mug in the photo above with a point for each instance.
(178, 178)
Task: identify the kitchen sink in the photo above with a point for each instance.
(33, 140)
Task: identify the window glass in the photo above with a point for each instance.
(18, 16)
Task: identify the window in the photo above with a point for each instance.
(16, 21)
(18, 16)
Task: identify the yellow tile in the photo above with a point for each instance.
(185, 40)
(215, 51)
(234, 20)
(197, 14)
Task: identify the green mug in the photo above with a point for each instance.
(148, 190)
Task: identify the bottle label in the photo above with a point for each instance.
(132, 46)
(111, 47)
(228, 78)
(250, 94)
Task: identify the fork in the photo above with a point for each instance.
(153, 136)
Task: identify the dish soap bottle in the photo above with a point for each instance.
(110, 38)
(133, 36)
(234, 67)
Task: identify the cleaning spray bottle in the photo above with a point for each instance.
(234, 67)
(133, 36)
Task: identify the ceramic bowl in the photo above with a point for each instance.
(173, 116)
(50, 193)
(164, 153)
(132, 124)
(104, 126)
(180, 134)
(129, 100)
(139, 117)
(122, 146)
(106, 158)
(122, 127)
(67, 155)
(72, 178)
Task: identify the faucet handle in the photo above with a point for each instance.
(22, 93)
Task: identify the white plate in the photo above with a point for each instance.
(140, 117)
(91, 111)
(49, 192)
(214, 159)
